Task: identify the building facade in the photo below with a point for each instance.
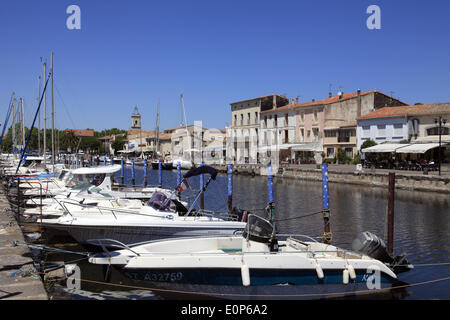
(243, 133)
(317, 129)
(387, 125)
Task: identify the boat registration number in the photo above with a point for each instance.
(156, 276)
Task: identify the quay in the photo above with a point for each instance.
(405, 180)
(18, 280)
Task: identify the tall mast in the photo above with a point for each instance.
(22, 120)
(140, 134)
(157, 128)
(13, 125)
(183, 112)
(53, 122)
(45, 121)
(39, 118)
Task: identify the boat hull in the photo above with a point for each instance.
(136, 234)
(164, 166)
(266, 284)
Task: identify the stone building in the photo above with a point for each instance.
(386, 125)
(136, 119)
(243, 132)
(423, 124)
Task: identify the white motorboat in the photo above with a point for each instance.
(91, 197)
(184, 164)
(99, 176)
(163, 217)
(254, 265)
(83, 178)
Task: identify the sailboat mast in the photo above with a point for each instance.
(22, 120)
(185, 124)
(53, 122)
(39, 116)
(45, 121)
(157, 128)
(13, 125)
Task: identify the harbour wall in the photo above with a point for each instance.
(406, 181)
(18, 279)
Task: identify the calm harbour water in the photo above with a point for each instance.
(422, 226)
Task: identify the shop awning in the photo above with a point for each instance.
(418, 148)
(284, 146)
(313, 147)
(385, 147)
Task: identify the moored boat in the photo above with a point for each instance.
(254, 265)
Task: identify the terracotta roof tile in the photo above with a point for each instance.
(345, 96)
(435, 109)
(82, 132)
(394, 111)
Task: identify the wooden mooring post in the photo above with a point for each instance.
(390, 216)
(230, 187)
(122, 178)
(202, 195)
(325, 205)
(145, 173)
(133, 176)
(179, 179)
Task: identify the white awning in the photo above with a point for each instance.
(314, 147)
(277, 147)
(385, 147)
(418, 148)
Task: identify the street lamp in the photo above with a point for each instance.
(441, 122)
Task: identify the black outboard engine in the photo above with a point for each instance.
(260, 230)
(369, 244)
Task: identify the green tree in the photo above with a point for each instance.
(118, 143)
(368, 143)
(69, 141)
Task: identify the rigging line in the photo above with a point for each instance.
(65, 106)
(299, 217)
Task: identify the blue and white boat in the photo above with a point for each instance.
(256, 265)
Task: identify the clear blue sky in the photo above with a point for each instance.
(133, 52)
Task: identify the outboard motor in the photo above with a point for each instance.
(369, 244)
(260, 231)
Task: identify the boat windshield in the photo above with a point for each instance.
(92, 179)
(160, 201)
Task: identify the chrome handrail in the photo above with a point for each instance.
(116, 243)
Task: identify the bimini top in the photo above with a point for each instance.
(98, 170)
(201, 170)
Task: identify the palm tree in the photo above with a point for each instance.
(69, 141)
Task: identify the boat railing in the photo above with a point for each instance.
(216, 214)
(295, 235)
(102, 210)
(110, 243)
